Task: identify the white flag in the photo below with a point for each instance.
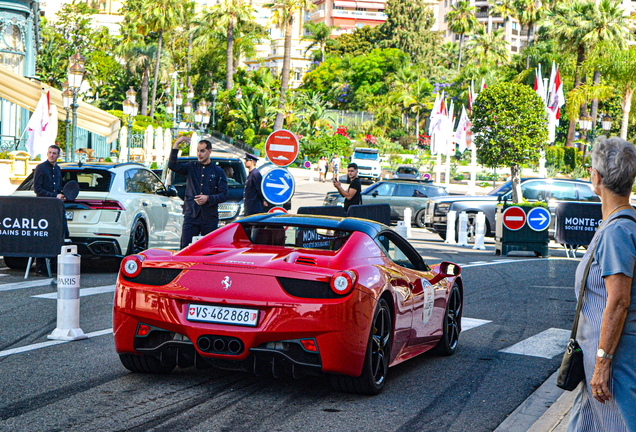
(460, 133)
(36, 128)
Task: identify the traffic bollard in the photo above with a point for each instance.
(480, 231)
(463, 229)
(68, 301)
(311, 173)
(401, 229)
(450, 227)
(408, 214)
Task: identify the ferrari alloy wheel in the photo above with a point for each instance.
(145, 364)
(376, 360)
(447, 345)
(138, 238)
(419, 218)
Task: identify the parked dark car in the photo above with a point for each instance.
(399, 194)
(553, 191)
(406, 172)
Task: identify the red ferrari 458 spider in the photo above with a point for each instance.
(288, 294)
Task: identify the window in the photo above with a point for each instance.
(534, 191)
(406, 190)
(563, 191)
(296, 236)
(587, 194)
(514, 26)
(361, 9)
(338, 8)
(297, 76)
(398, 251)
(383, 189)
(142, 181)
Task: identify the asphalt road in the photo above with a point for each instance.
(83, 386)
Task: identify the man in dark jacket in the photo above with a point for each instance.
(254, 200)
(206, 187)
(47, 182)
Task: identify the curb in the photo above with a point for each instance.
(545, 410)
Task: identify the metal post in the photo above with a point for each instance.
(213, 112)
(174, 113)
(75, 106)
(67, 121)
(130, 122)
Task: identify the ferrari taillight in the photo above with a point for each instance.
(343, 282)
(309, 344)
(131, 266)
(143, 329)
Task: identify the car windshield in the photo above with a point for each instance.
(89, 180)
(501, 190)
(404, 170)
(234, 171)
(370, 156)
(296, 236)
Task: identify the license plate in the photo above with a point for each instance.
(69, 215)
(223, 315)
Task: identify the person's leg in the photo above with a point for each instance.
(208, 226)
(191, 228)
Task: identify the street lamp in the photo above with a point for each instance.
(214, 93)
(130, 111)
(586, 126)
(67, 100)
(75, 77)
(187, 109)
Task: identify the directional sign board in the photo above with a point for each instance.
(278, 186)
(277, 210)
(514, 218)
(539, 218)
(281, 147)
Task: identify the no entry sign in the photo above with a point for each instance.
(277, 209)
(514, 218)
(281, 147)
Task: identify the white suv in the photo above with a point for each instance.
(121, 209)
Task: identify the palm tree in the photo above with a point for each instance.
(448, 54)
(528, 13)
(488, 47)
(400, 84)
(283, 14)
(228, 13)
(462, 20)
(503, 8)
(318, 35)
(140, 58)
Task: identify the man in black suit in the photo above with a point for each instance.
(206, 187)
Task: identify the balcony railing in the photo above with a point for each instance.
(358, 14)
(481, 14)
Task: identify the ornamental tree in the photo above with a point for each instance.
(510, 128)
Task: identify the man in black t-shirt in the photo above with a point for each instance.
(352, 195)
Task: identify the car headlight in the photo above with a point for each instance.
(443, 207)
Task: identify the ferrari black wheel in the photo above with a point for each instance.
(145, 364)
(447, 345)
(138, 238)
(376, 360)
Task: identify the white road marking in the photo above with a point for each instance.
(471, 323)
(49, 343)
(3, 274)
(83, 292)
(22, 285)
(4, 268)
(506, 262)
(546, 344)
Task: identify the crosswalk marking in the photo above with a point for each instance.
(49, 343)
(22, 285)
(546, 344)
(471, 323)
(83, 292)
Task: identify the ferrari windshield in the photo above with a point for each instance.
(296, 236)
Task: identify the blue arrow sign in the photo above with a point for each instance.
(278, 186)
(539, 218)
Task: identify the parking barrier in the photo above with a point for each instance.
(408, 214)
(480, 231)
(450, 227)
(68, 301)
(463, 229)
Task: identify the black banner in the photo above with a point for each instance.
(375, 212)
(31, 227)
(576, 223)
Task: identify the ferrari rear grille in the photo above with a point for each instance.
(306, 260)
(154, 276)
(307, 288)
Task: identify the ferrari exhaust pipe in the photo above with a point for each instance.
(234, 346)
(219, 345)
(204, 343)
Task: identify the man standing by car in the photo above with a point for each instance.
(352, 195)
(206, 187)
(47, 182)
(254, 200)
(335, 166)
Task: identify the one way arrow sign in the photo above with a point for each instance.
(539, 218)
(277, 186)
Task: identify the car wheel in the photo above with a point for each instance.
(138, 238)
(145, 364)
(447, 345)
(419, 218)
(16, 263)
(376, 360)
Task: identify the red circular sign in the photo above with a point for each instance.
(277, 210)
(514, 218)
(281, 147)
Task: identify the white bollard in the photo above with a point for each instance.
(480, 231)
(195, 239)
(408, 214)
(450, 227)
(401, 229)
(311, 173)
(68, 301)
(463, 229)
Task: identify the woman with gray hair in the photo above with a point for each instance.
(607, 328)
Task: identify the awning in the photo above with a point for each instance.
(344, 3)
(26, 93)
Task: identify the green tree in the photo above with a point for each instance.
(317, 34)
(488, 47)
(462, 20)
(140, 58)
(408, 27)
(503, 8)
(284, 12)
(510, 127)
(415, 99)
(529, 12)
(359, 42)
